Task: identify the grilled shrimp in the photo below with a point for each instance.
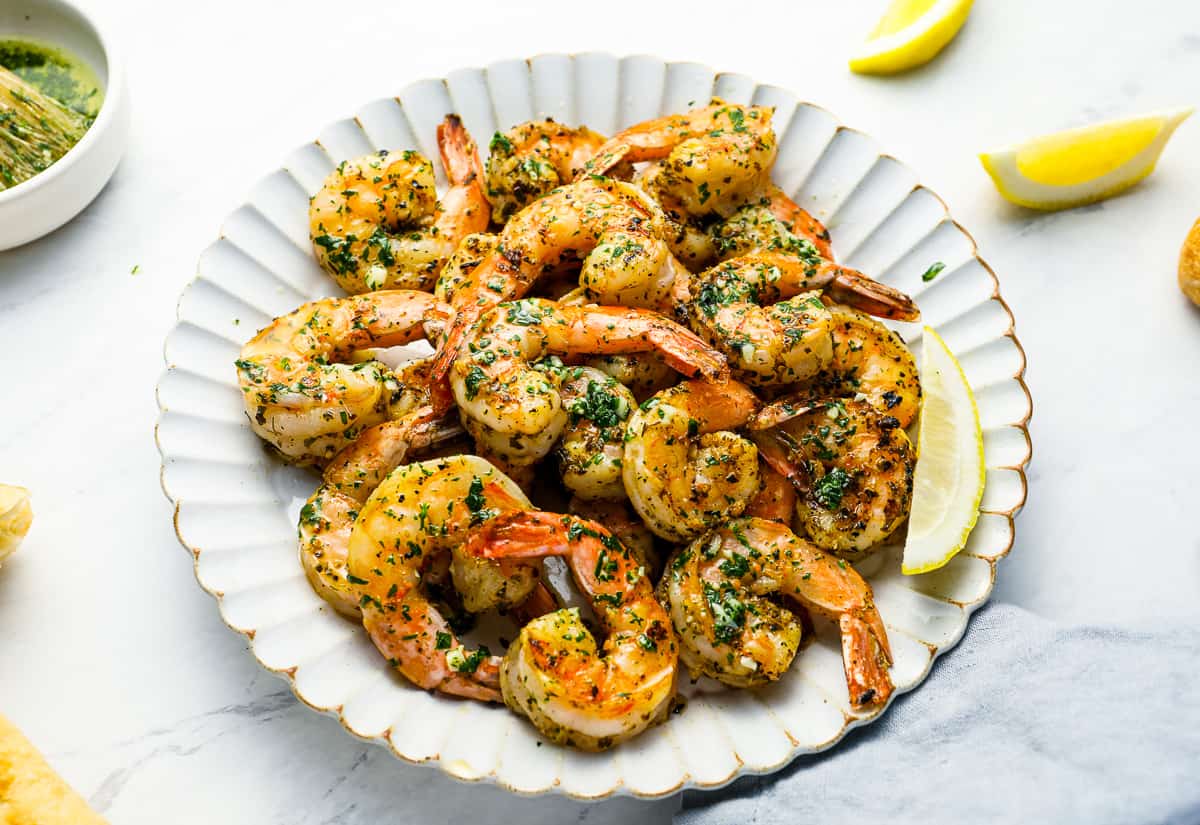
(471, 252)
(773, 221)
(419, 513)
(532, 159)
(300, 394)
(719, 593)
(574, 691)
(776, 497)
(754, 232)
(623, 271)
(593, 440)
(328, 516)
(869, 362)
(763, 309)
(762, 312)
(377, 222)
(622, 521)
(643, 373)
(852, 467)
(711, 160)
(684, 470)
(566, 225)
(514, 410)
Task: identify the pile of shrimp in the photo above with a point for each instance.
(645, 362)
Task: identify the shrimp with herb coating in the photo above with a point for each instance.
(513, 406)
(711, 160)
(684, 468)
(418, 514)
(565, 226)
(327, 518)
(851, 465)
(532, 159)
(593, 439)
(377, 222)
(302, 394)
(575, 691)
(870, 362)
(720, 592)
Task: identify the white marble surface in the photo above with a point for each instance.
(118, 666)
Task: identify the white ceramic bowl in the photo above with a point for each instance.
(236, 505)
(48, 200)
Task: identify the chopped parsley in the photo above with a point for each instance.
(600, 406)
(475, 377)
(464, 662)
(524, 313)
(830, 488)
(477, 502)
(729, 614)
(500, 143)
(736, 566)
(605, 566)
(933, 271)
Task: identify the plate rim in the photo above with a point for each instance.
(621, 788)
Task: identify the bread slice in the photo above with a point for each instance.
(31, 793)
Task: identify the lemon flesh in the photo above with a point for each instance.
(16, 516)
(1081, 166)
(949, 478)
(909, 34)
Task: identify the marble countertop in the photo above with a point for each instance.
(117, 665)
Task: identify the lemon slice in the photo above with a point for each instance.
(911, 33)
(1081, 166)
(948, 483)
(15, 518)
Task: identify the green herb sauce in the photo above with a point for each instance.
(54, 72)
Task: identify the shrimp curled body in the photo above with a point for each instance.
(327, 518)
(418, 514)
(377, 222)
(685, 471)
(300, 392)
(516, 410)
(574, 691)
(720, 592)
(566, 225)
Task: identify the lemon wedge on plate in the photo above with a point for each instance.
(16, 515)
(910, 33)
(1081, 166)
(948, 483)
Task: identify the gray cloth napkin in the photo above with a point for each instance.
(1025, 721)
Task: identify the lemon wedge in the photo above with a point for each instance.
(1084, 165)
(16, 515)
(948, 483)
(910, 33)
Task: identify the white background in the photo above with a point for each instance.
(117, 665)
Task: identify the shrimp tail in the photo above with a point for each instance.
(866, 659)
(778, 412)
(606, 158)
(861, 292)
(774, 448)
(472, 689)
(452, 341)
(776, 498)
(460, 155)
(520, 534)
(539, 602)
(801, 222)
(687, 354)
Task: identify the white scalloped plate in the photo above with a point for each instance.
(236, 506)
